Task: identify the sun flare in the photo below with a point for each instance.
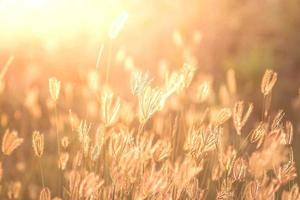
(57, 18)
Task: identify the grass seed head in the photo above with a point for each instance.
(45, 194)
(222, 116)
(110, 107)
(38, 143)
(63, 160)
(268, 82)
(54, 88)
(10, 142)
(14, 190)
(239, 117)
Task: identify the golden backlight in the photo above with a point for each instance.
(149, 100)
(59, 19)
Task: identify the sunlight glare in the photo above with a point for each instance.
(58, 19)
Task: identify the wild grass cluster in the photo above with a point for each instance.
(172, 137)
(173, 141)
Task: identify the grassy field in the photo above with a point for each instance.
(136, 100)
(169, 141)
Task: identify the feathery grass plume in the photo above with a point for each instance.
(65, 142)
(110, 107)
(63, 160)
(263, 188)
(226, 190)
(183, 172)
(84, 138)
(258, 134)
(146, 147)
(14, 189)
(277, 121)
(200, 141)
(293, 194)
(227, 158)
(150, 149)
(89, 186)
(95, 151)
(138, 82)
(203, 92)
(222, 116)
(239, 169)
(224, 194)
(96, 148)
(161, 150)
(268, 82)
(150, 101)
(120, 143)
(83, 130)
(126, 169)
(289, 132)
(74, 179)
(154, 181)
(38, 143)
(117, 25)
(173, 83)
(239, 117)
(45, 194)
(286, 172)
(188, 72)
(86, 145)
(10, 142)
(54, 88)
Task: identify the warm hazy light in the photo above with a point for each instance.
(57, 19)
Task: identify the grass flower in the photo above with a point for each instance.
(54, 88)
(10, 142)
(38, 143)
